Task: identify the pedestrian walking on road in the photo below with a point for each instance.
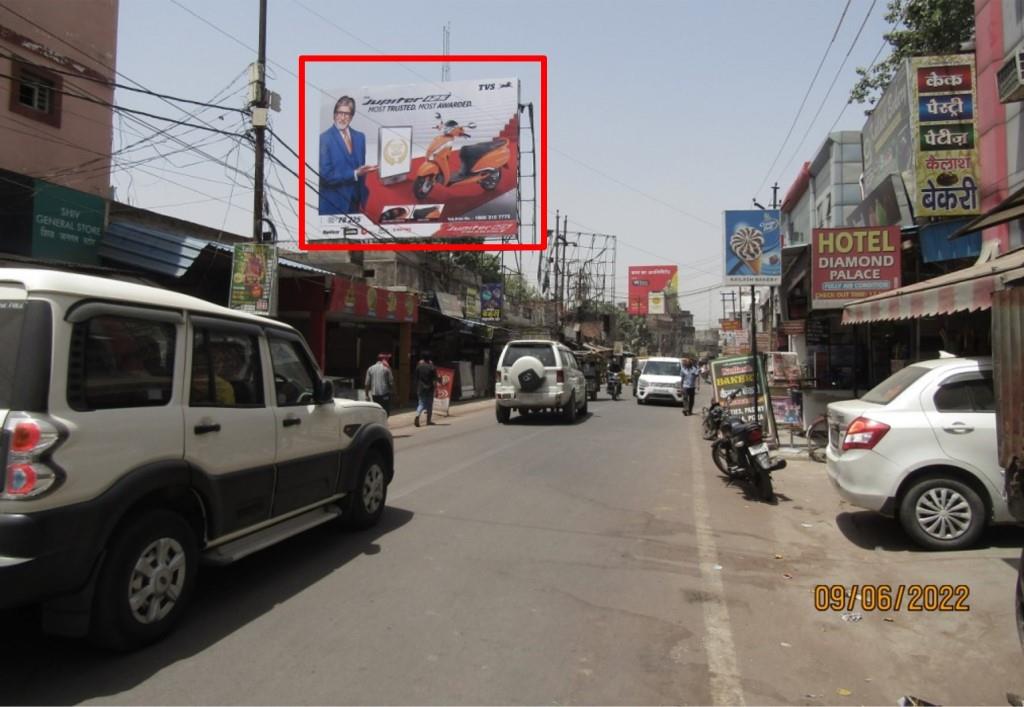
(380, 381)
(426, 380)
(691, 374)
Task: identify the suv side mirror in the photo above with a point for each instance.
(326, 392)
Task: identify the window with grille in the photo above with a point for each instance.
(35, 93)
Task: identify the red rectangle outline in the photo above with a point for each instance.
(542, 59)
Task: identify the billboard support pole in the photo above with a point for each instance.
(753, 346)
(259, 126)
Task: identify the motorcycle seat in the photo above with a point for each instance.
(471, 154)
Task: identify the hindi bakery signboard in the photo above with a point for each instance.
(851, 264)
(946, 150)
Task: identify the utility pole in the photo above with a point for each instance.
(259, 125)
(558, 288)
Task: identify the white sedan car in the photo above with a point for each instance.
(921, 447)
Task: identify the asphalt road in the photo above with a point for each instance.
(538, 563)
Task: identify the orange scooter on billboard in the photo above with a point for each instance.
(480, 163)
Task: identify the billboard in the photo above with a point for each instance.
(850, 264)
(253, 278)
(943, 112)
(490, 301)
(753, 248)
(472, 303)
(737, 373)
(418, 161)
(887, 137)
(647, 279)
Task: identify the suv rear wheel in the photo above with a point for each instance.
(503, 414)
(942, 513)
(569, 412)
(146, 580)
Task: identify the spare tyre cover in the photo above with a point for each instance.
(527, 374)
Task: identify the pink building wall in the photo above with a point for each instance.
(77, 37)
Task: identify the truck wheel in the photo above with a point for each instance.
(365, 504)
(942, 513)
(503, 414)
(146, 581)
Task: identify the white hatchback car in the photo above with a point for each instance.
(921, 447)
(661, 380)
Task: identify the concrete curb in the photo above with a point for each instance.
(405, 419)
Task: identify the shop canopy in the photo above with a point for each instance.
(1009, 209)
(968, 289)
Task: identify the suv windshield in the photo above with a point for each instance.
(544, 352)
(662, 368)
(12, 316)
(890, 389)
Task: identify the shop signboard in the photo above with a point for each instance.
(254, 279)
(491, 295)
(66, 224)
(357, 299)
(415, 140)
(943, 114)
(793, 327)
(850, 264)
(443, 390)
(737, 373)
(887, 137)
(753, 248)
(730, 324)
(472, 303)
(645, 279)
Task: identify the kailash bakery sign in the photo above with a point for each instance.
(850, 264)
(946, 151)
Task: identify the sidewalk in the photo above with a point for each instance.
(405, 416)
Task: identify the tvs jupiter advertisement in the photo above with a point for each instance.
(432, 160)
(850, 264)
(647, 279)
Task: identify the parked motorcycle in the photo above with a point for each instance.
(481, 163)
(614, 385)
(741, 454)
(712, 420)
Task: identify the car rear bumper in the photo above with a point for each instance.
(515, 399)
(864, 478)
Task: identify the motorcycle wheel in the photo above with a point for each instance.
(490, 182)
(422, 186)
(763, 486)
(721, 459)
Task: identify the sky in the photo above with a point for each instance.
(661, 115)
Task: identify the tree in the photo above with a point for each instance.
(928, 27)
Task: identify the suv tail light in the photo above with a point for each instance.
(30, 439)
(864, 434)
(560, 376)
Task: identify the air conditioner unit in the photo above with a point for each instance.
(1010, 78)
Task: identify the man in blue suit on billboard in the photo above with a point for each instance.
(342, 163)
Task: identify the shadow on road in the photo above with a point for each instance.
(226, 599)
(544, 419)
(872, 531)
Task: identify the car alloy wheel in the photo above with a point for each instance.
(157, 581)
(943, 513)
(373, 489)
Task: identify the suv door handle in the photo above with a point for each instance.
(958, 428)
(291, 421)
(203, 429)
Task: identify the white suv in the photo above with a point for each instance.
(535, 375)
(921, 446)
(144, 430)
(661, 379)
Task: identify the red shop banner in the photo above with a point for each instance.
(851, 264)
(361, 300)
(443, 390)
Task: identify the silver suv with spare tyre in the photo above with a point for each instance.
(536, 375)
(144, 431)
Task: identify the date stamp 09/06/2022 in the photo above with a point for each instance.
(891, 597)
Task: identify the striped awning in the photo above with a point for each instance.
(968, 289)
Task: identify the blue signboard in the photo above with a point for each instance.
(946, 108)
(753, 248)
(936, 246)
(490, 302)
